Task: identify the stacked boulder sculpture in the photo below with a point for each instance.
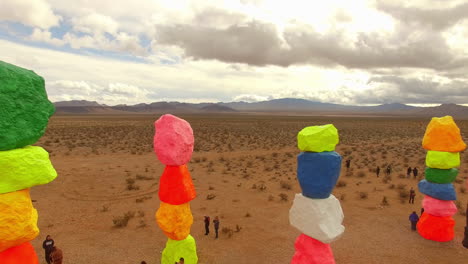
(315, 211)
(443, 142)
(24, 114)
(173, 144)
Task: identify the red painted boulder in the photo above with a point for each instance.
(173, 140)
(23, 253)
(436, 228)
(176, 186)
(437, 207)
(312, 251)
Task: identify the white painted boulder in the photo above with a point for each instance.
(320, 219)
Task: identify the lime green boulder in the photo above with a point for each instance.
(24, 168)
(176, 249)
(318, 138)
(441, 176)
(442, 160)
(24, 107)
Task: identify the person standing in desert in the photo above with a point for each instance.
(415, 172)
(207, 225)
(377, 171)
(408, 172)
(216, 225)
(414, 218)
(412, 194)
(48, 245)
(56, 256)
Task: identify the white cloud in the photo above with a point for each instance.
(95, 23)
(250, 98)
(35, 13)
(45, 36)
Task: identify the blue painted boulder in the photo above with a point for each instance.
(445, 192)
(318, 173)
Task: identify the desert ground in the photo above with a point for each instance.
(101, 207)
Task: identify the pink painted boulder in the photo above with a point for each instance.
(173, 140)
(312, 251)
(437, 207)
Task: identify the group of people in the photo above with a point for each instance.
(207, 225)
(410, 170)
(53, 255)
(388, 170)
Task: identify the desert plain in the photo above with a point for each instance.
(101, 208)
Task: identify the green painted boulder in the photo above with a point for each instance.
(25, 109)
(176, 249)
(24, 168)
(442, 160)
(318, 138)
(441, 176)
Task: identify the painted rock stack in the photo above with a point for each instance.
(443, 142)
(24, 113)
(315, 211)
(173, 144)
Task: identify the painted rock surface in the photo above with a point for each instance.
(318, 138)
(439, 191)
(438, 207)
(176, 186)
(442, 160)
(312, 251)
(24, 168)
(318, 173)
(442, 134)
(320, 219)
(22, 254)
(18, 219)
(436, 228)
(25, 109)
(173, 140)
(441, 176)
(174, 250)
(175, 220)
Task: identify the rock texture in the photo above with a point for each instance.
(445, 192)
(312, 251)
(176, 186)
(174, 250)
(318, 173)
(18, 219)
(442, 134)
(175, 220)
(25, 109)
(21, 254)
(318, 138)
(442, 160)
(320, 219)
(24, 168)
(173, 140)
(436, 228)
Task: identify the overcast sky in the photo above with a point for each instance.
(348, 52)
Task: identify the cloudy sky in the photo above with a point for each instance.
(338, 51)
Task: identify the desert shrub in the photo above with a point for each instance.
(401, 186)
(462, 189)
(384, 201)
(262, 187)
(210, 196)
(283, 197)
(391, 186)
(363, 195)
(227, 231)
(131, 186)
(341, 183)
(248, 215)
(285, 185)
(143, 177)
(238, 228)
(105, 208)
(401, 176)
(342, 197)
(361, 174)
(271, 198)
(211, 188)
(122, 221)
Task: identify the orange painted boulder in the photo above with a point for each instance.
(442, 134)
(18, 219)
(22, 254)
(176, 186)
(312, 251)
(175, 220)
(436, 228)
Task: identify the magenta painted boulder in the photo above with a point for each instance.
(437, 207)
(312, 251)
(173, 140)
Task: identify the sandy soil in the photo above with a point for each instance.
(246, 163)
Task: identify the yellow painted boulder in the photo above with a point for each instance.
(175, 250)
(18, 219)
(442, 134)
(175, 220)
(442, 160)
(24, 168)
(318, 138)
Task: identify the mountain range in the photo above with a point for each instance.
(276, 106)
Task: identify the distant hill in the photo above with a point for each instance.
(285, 105)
